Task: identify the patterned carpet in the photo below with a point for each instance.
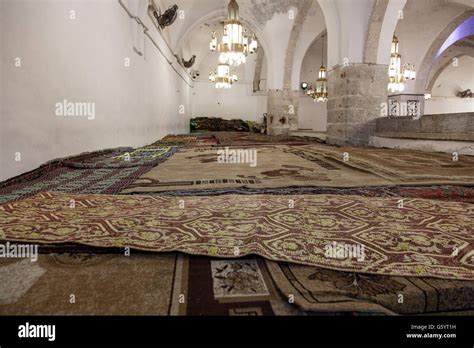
(424, 238)
(282, 166)
(232, 287)
(139, 284)
(445, 192)
(249, 139)
(317, 289)
(401, 166)
(188, 140)
(277, 166)
(413, 244)
(106, 172)
(178, 284)
(145, 156)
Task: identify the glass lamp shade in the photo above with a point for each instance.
(407, 74)
(235, 44)
(253, 45)
(397, 75)
(322, 73)
(212, 76)
(213, 43)
(394, 48)
(222, 77)
(225, 40)
(234, 30)
(223, 70)
(246, 44)
(321, 90)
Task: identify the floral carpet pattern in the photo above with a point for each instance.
(422, 238)
(317, 289)
(233, 278)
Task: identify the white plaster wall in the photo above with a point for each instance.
(422, 22)
(313, 26)
(312, 115)
(80, 60)
(391, 17)
(235, 103)
(452, 80)
(278, 29)
(347, 24)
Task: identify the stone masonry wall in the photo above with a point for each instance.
(282, 110)
(356, 93)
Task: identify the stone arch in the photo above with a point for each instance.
(258, 70)
(362, 34)
(441, 65)
(305, 40)
(318, 37)
(381, 27)
(295, 34)
(374, 30)
(424, 70)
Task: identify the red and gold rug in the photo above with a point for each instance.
(347, 233)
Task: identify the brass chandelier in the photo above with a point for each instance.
(222, 76)
(235, 44)
(396, 75)
(320, 92)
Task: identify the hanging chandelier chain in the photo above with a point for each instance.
(319, 92)
(397, 75)
(234, 47)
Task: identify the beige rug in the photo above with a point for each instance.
(347, 233)
(315, 165)
(402, 166)
(276, 166)
(87, 284)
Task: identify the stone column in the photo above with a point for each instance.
(282, 110)
(356, 93)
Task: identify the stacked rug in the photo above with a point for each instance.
(106, 172)
(283, 166)
(144, 156)
(101, 284)
(345, 233)
(330, 223)
(316, 289)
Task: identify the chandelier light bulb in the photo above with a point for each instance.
(396, 75)
(235, 44)
(320, 92)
